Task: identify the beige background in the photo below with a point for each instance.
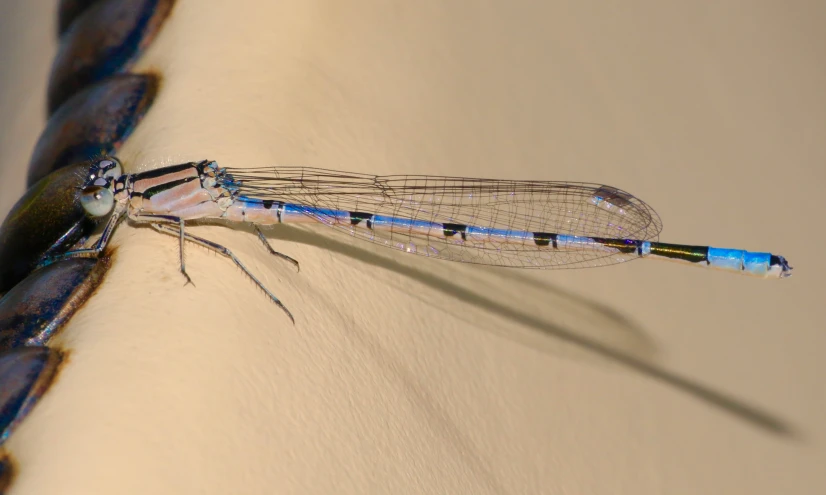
(406, 375)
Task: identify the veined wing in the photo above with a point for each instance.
(527, 212)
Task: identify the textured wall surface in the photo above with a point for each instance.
(406, 375)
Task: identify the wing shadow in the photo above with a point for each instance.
(637, 357)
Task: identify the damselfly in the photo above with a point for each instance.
(525, 224)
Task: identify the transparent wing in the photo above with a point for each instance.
(562, 208)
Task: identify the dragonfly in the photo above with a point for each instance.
(506, 223)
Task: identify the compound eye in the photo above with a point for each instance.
(97, 201)
(111, 168)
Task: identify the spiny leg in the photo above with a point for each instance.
(94, 251)
(273, 251)
(157, 220)
(166, 229)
